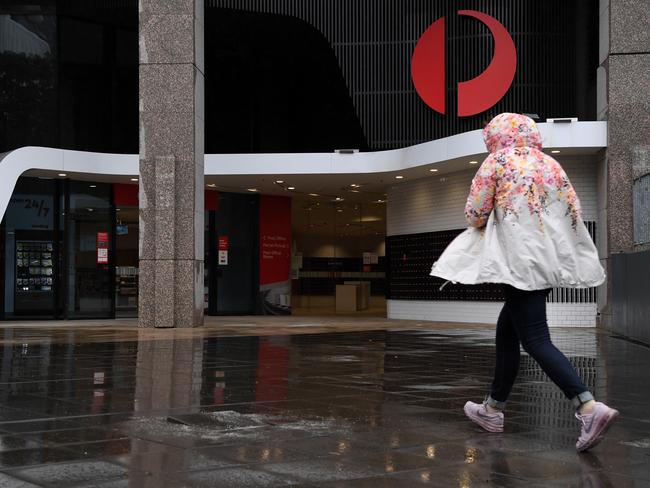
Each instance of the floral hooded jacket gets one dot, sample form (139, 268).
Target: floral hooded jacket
(525, 221)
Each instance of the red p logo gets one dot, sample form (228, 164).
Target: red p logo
(475, 95)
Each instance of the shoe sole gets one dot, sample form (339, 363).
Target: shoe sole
(601, 429)
(482, 423)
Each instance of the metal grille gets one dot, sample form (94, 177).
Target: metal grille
(641, 205)
(575, 295)
(373, 41)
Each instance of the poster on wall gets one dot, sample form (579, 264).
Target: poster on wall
(275, 254)
(223, 250)
(102, 248)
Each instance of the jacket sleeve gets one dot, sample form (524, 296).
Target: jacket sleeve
(480, 201)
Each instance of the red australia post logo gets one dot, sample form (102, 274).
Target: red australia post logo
(476, 95)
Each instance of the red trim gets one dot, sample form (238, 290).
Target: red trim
(126, 195)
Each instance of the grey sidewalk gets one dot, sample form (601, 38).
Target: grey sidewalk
(347, 409)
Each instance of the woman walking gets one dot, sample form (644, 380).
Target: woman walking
(526, 232)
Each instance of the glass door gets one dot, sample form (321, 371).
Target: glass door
(89, 251)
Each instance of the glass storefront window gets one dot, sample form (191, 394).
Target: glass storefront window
(126, 261)
(29, 250)
(89, 250)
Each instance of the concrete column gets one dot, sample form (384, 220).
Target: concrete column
(624, 100)
(171, 163)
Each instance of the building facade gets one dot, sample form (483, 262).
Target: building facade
(287, 85)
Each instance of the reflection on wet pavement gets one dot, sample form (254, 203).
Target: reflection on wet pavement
(355, 409)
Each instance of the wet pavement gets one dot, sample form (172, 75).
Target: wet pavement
(348, 409)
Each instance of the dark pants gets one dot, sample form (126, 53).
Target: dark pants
(523, 320)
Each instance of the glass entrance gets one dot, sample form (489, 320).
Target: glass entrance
(89, 252)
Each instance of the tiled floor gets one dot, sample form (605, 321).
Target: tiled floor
(113, 407)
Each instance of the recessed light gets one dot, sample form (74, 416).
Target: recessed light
(399, 177)
(354, 185)
(473, 162)
(63, 174)
(279, 181)
(90, 209)
(434, 170)
(339, 210)
(313, 194)
(251, 189)
(291, 187)
(93, 186)
(555, 151)
(134, 179)
(338, 199)
(211, 185)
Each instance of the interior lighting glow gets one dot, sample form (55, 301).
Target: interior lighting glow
(473, 162)
(399, 177)
(555, 151)
(434, 170)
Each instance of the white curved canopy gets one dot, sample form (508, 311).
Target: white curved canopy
(448, 154)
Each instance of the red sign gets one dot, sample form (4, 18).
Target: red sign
(223, 243)
(476, 95)
(102, 248)
(275, 239)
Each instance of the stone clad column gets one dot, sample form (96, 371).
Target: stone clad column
(624, 101)
(171, 163)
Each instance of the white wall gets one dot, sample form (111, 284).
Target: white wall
(437, 203)
(558, 314)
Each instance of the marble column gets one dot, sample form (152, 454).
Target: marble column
(624, 101)
(171, 163)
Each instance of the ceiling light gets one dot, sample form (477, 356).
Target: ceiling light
(93, 186)
(62, 174)
(555, 151)
(134, 179)
(473, 162)
(354, 185)
(339, 210)
(399, 177)
(291, 187)
(313, 194)
(211, 185)
(433, 170)
(338, 199)
(279, 181)
(251, 189)
(90, 209)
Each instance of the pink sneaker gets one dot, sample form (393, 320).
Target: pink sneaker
(594, 425)
(477, 413)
